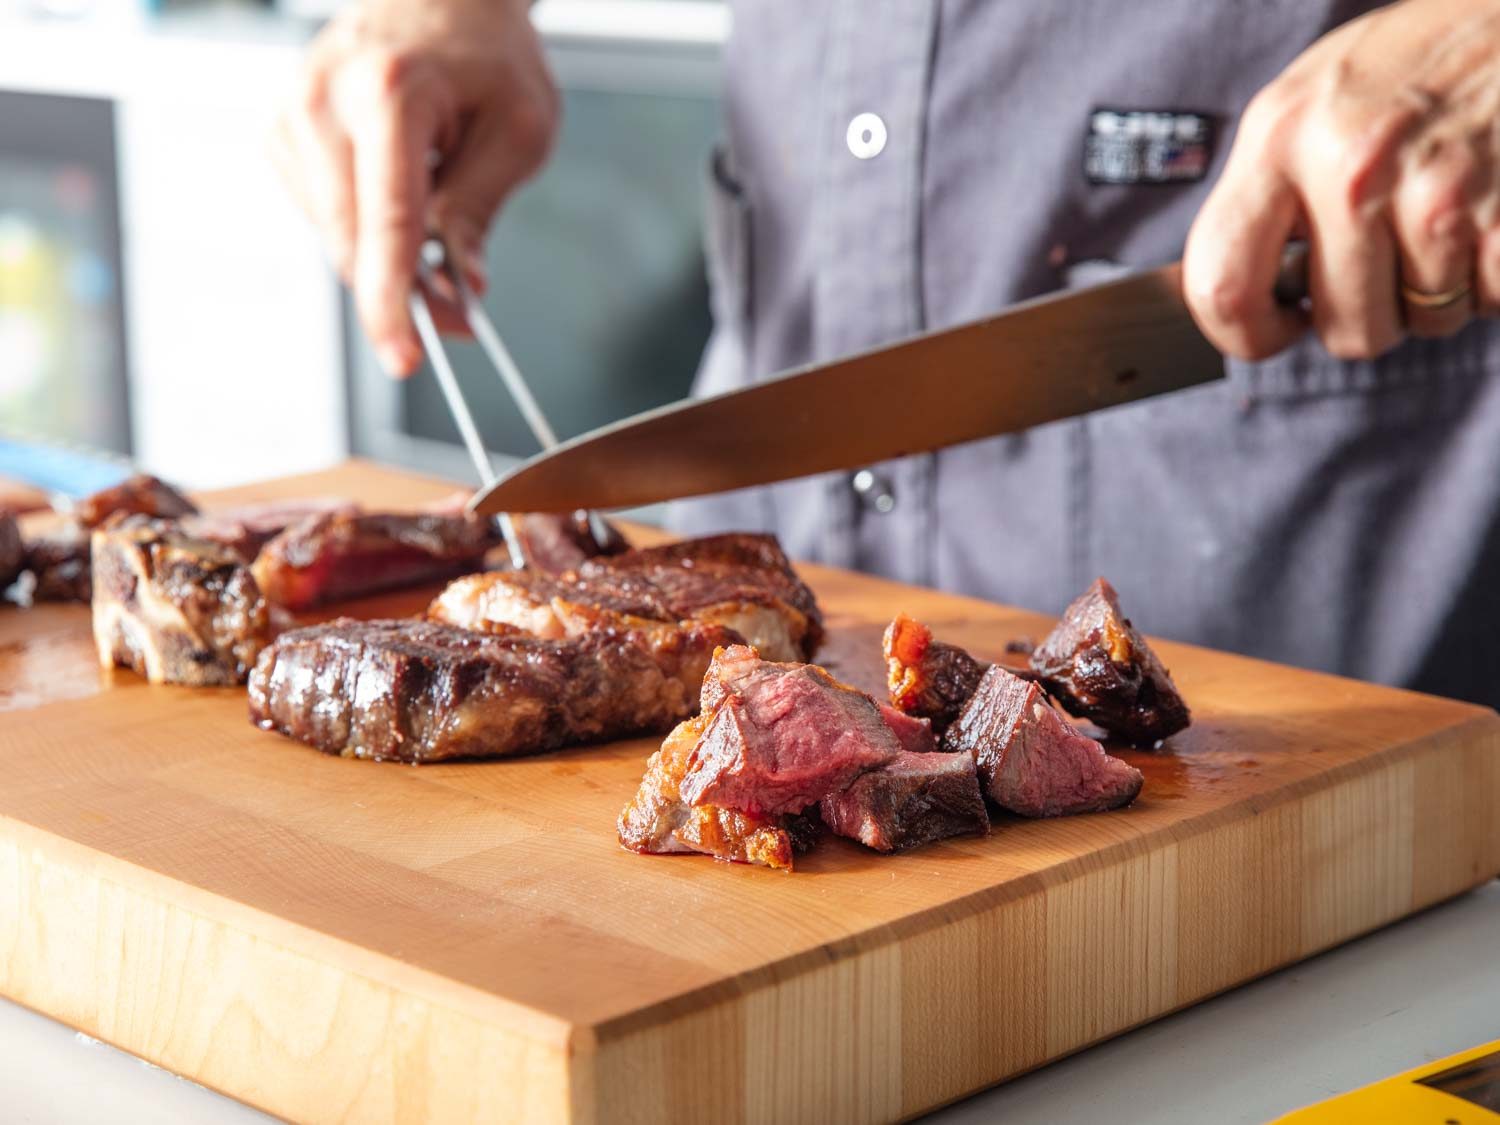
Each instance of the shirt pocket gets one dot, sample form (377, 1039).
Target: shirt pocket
(727, 248)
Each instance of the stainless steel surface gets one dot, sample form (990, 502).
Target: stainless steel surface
(1050, 358)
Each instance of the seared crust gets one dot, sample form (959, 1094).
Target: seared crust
(1100, 667)
(659, 821)
(741, 582)
(142, 495)
(172, 608)
(419, 691)
(928, 678)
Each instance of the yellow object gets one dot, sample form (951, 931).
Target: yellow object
(1463, 1089)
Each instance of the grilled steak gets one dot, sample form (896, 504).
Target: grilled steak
(1100, 667)
(779, 737)
(142, 495)
(915, 735)
(12, 553)
(927, 677)
(419, 691)
(912, 799)
(1031, 760)
(57, 561)
(339, 555)
(556, 543)
(658, 820)
(247, 528)
(742, 582)
(172, 608)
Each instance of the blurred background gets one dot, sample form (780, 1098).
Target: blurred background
(163, 303)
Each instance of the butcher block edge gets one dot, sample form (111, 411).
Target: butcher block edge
(884, 1025)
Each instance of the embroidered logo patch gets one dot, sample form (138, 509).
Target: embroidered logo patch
(1147, 146)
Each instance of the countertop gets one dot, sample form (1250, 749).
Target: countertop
(1419, 990)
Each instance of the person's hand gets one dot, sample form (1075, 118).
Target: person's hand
(1379, 145)
(414, 115)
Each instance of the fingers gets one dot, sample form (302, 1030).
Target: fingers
(1435, 229)
(1231, 262)
(313, 155)
(394, 114)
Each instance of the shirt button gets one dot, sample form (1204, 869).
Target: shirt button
(874, 491)
(866, 135)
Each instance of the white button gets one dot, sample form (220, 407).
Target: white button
(874, 491)
(866, 135)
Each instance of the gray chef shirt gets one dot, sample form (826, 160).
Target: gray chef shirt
(895, 166)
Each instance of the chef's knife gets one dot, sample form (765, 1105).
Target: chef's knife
(1054, 357)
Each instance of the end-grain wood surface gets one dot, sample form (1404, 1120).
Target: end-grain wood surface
(337, 940)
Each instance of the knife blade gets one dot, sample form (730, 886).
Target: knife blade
(1050, 358)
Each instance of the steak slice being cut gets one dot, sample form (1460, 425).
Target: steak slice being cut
(334, 556)
(174, 609)
(659, 821)
(742, 582)
(142, 495)
(556, 543)
(779, 737)
(1100, 668)
(1031, 760)
(926, 677)
(420, 691)
(12, 553)
(913, 799)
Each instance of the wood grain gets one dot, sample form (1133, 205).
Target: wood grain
(335, 940)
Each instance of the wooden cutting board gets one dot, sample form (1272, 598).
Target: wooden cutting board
(336, 940)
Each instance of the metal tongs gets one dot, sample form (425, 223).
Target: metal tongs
(433, 261)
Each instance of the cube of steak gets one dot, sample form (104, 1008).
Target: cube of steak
(928, 678)
(779, 737)
(419, 691)
(1100, 667)
(174, 609)
(334, 556)
(659, 821)
(1031, 760)
(142, 495)
(12, 553)
(912, 799)
(915, 735)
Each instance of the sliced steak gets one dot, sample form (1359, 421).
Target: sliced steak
(334, 556)
(659, 821)
(142, 495)
(1031, 760)
(556, 543)
(912, 799)
(419, 691)
(174, 609)
(12, 553)
(57, 561)
(246, 528)
(779, 737)
(915, 735)
(928, 678)
(742, 582)
(1100, 668)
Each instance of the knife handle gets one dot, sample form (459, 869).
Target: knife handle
(1291, 278)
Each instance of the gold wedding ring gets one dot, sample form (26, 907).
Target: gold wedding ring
(1443, 300)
